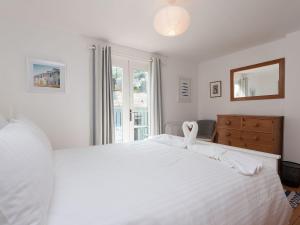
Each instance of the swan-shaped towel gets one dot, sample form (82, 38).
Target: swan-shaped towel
(190, 131)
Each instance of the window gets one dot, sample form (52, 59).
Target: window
(117, 74)
(131, 100)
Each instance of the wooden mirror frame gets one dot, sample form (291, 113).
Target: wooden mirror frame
(281, 90)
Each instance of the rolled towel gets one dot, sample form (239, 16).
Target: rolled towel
(190, 131)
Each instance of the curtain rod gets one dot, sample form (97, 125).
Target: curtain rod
(93, 47)
(131, 57)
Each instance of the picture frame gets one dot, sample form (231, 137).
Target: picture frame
(215, 89)
(184, 90)
(45, 76)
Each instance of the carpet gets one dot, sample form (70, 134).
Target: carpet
(293, 198)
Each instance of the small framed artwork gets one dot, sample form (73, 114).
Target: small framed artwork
(216, 89)
(184, 90)
(46, 76)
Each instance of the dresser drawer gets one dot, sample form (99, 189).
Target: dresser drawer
(229, 122)
(224, 133)
(260, 133)
(231, 142)
(258, 125)
(257, 138)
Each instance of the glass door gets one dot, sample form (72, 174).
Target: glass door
(131, 100)
(120, 99)
(139, 109)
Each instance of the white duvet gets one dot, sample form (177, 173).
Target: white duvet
(150, 183)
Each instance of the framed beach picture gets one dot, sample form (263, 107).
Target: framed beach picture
(46, 76)
(215, 89)
(184, 90)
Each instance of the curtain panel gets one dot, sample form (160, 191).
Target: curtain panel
(156, 122)
(102, 103)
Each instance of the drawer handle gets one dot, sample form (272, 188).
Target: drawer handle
(256, 138)
(228, 122)
(228, 134)
(257, 125)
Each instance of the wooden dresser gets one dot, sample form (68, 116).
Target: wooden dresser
(261, 133)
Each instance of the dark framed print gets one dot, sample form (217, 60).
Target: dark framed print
(216, 89)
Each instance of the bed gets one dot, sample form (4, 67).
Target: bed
(150, 182)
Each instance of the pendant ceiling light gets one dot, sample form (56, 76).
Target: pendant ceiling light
(172, 21)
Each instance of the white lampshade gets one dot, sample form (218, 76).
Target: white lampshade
(171, 21)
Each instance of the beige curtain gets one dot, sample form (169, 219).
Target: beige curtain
(103, 112)
(156, 125)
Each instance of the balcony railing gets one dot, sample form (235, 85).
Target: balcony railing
(141, 124)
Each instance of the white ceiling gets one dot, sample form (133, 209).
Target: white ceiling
(218, 27)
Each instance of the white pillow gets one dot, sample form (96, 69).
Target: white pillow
(3, 121)
(26, 176)
(37, 130)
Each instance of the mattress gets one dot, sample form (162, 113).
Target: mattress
(150, 183)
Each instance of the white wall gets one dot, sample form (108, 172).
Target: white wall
(174, 111)
(219, 69)
(66, 117)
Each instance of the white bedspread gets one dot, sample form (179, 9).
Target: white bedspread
(150, 183)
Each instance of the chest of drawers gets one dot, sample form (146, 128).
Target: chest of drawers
(261, 133)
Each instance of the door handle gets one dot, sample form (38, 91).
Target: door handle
(130, 115)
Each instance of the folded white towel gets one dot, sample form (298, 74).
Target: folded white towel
(245, 165)
(190, 131)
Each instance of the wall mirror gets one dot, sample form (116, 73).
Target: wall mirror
(260, 81)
